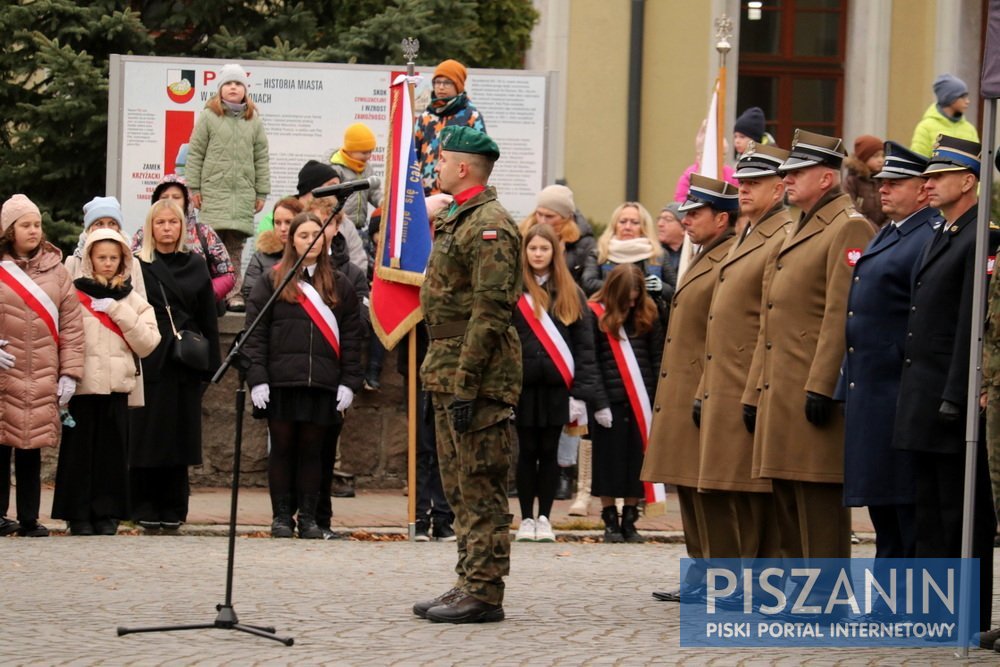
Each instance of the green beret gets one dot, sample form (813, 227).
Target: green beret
(464, 139)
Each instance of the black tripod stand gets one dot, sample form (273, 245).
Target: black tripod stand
(226, 618)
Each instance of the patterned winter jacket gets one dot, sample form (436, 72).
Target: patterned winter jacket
(427, 132)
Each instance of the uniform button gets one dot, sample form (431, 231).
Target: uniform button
(722, 279)
(919, 283)
(657, 408)
(706, 395)
(850, 350)
(850, 313)
(709, 317)
(909, 334)
(767, 385)
(668, 339)
(663, 374)
(779, 267)
(851, 386)
(709, 357)
(770, 305)
(857, 279)
(913, 309)
(768, 345)
(907, 362)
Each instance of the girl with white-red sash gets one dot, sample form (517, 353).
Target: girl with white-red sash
(41, 356)
(560, 373)
(629, 343)
(120, 328)
(305, 369)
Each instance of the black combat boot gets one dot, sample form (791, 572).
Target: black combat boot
(564, 491)
(612, 531)
(308, 529)
(630, 514)
(281, 509)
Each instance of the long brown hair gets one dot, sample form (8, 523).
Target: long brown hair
(215, 104)
(322, 280)
(616, 293)
(567, 305)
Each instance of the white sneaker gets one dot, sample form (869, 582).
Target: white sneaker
(543, 530)
(526, 531)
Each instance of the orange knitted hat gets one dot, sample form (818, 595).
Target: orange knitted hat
(454, 71)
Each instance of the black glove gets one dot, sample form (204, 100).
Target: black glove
(696, 412)
(819, 408)
(949, 412)
(750, 417)
(461, 415)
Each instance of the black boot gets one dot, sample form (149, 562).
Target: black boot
(565, 489)
(308, 529)
(281, 509)
(630, 514)
(612, 532)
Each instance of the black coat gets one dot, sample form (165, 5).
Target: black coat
(167, 430)
(648, 350)
(936, 356)
(879, 300)
(544, 397)
(287, 349)
(577, 252)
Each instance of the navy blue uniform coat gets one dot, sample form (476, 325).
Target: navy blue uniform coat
(874, 473)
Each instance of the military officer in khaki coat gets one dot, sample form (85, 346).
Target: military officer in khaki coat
(748, 531)
(672, 456)
(799, 437)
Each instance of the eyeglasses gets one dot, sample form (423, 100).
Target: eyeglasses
(442, 82)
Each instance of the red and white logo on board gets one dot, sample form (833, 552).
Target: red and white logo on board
(853, 255)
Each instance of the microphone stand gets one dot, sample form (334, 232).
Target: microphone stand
(226, 618)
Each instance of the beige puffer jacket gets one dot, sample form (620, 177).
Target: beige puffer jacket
(29, 412)
(109, 363)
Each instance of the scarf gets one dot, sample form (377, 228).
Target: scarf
(629, 251)
(96, 290)
(235, 109)
(340, 157)
(447, 106)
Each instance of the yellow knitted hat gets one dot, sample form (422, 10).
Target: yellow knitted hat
(358, 137)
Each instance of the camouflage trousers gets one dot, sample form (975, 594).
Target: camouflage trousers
(474, 469)
(993, 442)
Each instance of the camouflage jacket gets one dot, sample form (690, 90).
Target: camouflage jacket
(474, 277)
(991, 338)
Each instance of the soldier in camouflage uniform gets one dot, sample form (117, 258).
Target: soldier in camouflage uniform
(473, 369)
(991, 387)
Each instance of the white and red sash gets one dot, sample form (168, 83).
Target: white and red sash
(33, 296)
(635, 389)
(548, 335)
(105, 319)
(320, 314)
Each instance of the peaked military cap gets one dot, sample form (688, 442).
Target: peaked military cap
(901, 162)
(465, 139)
(810, 149)
(954, 154)
(760, 160)
(705, 191)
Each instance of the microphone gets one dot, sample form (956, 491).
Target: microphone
(347, 188)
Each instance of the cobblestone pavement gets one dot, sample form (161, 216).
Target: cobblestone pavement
(348, 603)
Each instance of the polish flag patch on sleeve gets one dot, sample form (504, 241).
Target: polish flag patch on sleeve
(853, 255)
(489, 235)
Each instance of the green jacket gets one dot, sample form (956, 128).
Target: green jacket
(474, 277)
(934, 123)
(228, 165)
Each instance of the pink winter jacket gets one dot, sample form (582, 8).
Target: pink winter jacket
(29, 413)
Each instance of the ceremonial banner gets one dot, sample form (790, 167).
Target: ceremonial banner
(708, 165)
(404, 242)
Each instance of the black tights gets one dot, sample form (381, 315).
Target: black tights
(294, 461)
(537, 468)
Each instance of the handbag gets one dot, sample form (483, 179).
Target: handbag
(189, 348)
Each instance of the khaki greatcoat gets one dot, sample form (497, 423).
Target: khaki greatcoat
(730, 340)
(672, 453)
(801, 345)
